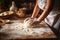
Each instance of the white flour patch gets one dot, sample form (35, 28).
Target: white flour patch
(16, 30)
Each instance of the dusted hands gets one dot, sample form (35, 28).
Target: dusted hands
(30, 22)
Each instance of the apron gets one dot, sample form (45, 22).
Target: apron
(54, 15)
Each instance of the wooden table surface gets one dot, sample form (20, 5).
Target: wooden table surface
(13, 31)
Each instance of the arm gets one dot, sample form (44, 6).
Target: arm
(36, 11)
(46, 11)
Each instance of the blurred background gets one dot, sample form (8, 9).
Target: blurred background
(29, 4)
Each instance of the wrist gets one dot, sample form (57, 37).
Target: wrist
(32, 16)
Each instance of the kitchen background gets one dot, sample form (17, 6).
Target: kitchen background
(29, 4)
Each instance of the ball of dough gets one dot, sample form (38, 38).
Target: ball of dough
(28, 23)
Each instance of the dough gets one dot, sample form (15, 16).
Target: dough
(28, 22)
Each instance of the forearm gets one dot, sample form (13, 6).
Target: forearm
(46, 11)
(43, 15)
(36, 11)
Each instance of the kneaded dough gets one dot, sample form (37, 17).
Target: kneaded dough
(28, 24)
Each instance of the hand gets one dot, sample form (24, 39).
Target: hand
(28, 22)
(31, 22)
(35, 23)
(27, 19)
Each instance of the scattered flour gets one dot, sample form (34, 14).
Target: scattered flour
(17, 30)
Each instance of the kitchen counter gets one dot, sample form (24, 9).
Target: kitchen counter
(14, 31)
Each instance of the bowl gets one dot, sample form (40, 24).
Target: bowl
(6, 14)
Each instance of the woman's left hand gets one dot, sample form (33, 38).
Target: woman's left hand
(31, 22)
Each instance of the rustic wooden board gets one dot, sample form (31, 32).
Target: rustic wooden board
(14, 31)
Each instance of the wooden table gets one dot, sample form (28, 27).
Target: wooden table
(9, 31)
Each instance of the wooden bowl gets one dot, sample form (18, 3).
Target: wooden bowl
(6, 14)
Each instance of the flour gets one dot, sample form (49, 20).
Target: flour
(17, 30)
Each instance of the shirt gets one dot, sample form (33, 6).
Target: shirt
(54, 12)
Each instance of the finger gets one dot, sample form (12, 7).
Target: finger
(26, 19)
